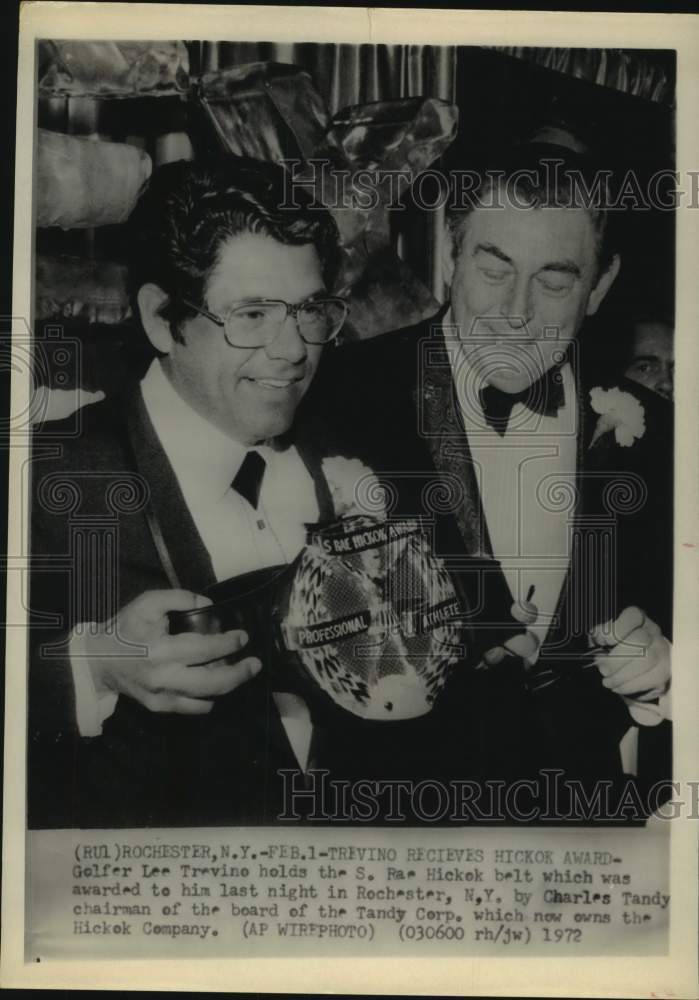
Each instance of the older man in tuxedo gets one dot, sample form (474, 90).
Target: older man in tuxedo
(566, 486)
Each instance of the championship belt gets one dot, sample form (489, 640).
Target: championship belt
(366, 619)
(370, 617)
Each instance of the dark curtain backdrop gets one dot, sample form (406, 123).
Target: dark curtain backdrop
(347, 74)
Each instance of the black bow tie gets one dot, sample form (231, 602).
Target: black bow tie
(248, 479)
(545, 396)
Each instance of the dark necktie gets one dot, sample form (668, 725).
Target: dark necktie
(248, 479)
(545, 396)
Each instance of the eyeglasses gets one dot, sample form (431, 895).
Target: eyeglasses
(256, 323)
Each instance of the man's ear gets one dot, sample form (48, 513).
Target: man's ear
(448, 257)
(151, 298)
(604, 283)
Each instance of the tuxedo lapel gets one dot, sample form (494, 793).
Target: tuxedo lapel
(168, 511)
(440, 421)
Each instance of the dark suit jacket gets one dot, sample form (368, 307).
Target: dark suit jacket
(89, 526)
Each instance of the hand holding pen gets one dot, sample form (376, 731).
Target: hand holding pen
(526, 644)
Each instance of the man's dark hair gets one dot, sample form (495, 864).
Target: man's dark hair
(641, 317)
(541, 174)
(190, 209)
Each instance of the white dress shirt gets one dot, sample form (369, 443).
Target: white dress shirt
(237, 537)
(517, 474)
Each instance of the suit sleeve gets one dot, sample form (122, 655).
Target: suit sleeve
(52, 745)
(51, 692)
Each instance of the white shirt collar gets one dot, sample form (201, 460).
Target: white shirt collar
(204, 459)
(472, 413)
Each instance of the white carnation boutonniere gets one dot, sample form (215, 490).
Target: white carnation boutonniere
(354, 488)
(619, 412)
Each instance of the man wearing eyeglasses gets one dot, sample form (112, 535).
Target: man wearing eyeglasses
(232, 295)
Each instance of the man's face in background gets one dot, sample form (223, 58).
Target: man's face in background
(249, 393)
(523, 281)
(651, 361)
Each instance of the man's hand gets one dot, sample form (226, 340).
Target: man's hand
(524, 646)
(163, 678)
(633, 657)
